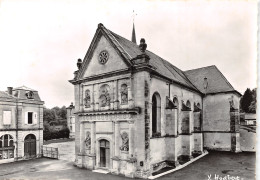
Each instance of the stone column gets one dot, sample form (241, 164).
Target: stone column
(191, 121)
(130, 95)
(131, 138)
(92, 98)
(96, 97)
(82, 138)
(117, 136)
(93, 137)
(81, 98)
(175, 124)
(116, 95)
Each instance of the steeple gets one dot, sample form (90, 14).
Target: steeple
(133, 34)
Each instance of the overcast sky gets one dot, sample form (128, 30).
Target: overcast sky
(40, 41)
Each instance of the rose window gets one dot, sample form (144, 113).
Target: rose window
(103, 57)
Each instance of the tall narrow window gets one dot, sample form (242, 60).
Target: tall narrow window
(30, 117)
(156, 114)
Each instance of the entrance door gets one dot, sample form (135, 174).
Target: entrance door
(30, 146)
(104, 153)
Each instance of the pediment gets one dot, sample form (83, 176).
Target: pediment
(102, 58)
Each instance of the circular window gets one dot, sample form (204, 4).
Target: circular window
(103, 57)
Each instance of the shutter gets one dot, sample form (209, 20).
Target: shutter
(26, 118)
(35, 118)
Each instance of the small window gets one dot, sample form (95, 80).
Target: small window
(30, 117)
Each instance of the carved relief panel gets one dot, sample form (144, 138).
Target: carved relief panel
(104, 95)
(87, 101)
(125, 142)
(124, 94)
(88, 140)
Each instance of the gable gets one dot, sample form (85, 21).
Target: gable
(216, 81)
(114, 62)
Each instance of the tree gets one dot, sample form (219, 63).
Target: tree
(252, 107)
(246, 100)
(48, 115)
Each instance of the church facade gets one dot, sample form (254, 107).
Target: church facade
(21, 124)
(135, 113)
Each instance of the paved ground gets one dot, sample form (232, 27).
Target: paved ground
(219, 163)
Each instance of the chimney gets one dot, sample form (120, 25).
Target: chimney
(10, 90)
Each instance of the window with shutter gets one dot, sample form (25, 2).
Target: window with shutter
(34, 118)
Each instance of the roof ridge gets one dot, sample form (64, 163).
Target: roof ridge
(201, 68)
(225, 78)
(109, 32)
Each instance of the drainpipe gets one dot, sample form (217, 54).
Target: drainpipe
(205, 86)
(17, 118)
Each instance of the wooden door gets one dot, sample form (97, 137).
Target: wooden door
(30, 146)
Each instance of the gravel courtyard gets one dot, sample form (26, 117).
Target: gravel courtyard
(66, 150)
(240, 165)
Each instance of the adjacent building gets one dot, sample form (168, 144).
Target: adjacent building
(136, 113)
(21, 124)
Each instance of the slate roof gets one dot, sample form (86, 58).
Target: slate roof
(193, 79)
(216, 81)
(19, 93)
(24, 88)
(6, 95)
(162, 66)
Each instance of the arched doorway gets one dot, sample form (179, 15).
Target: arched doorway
(30, 146)
(156, 114)
(104, 153)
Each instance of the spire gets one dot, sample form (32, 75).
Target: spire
(133, 34)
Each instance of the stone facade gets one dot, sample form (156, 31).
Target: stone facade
(135, 113)
(21, 124)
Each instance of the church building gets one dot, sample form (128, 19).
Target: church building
(21, 124)
(136, 113)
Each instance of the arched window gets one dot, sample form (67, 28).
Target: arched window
(156, 114)
(124, 94)
(104, 96)
(176, 103)
(6, 147)
(87, 99)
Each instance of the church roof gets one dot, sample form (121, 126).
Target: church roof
(216, 81)
(192, 79)
(162, 66)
